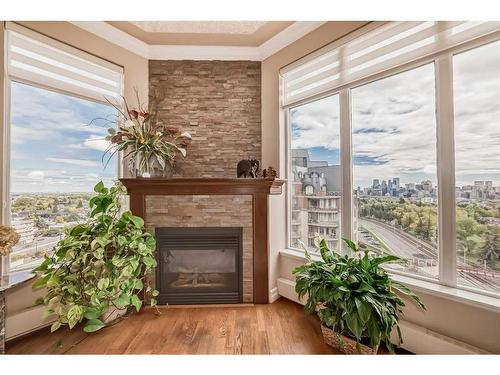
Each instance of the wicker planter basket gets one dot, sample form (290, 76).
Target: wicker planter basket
(343, 343)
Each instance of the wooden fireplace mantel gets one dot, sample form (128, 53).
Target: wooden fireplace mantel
(258, 188)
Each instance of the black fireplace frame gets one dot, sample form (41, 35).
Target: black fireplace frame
(187, 297)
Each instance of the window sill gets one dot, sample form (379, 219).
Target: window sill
(443, 291)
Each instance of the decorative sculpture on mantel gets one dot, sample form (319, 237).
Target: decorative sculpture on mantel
(248, 168)
(270, 173)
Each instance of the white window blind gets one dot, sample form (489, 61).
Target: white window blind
(32, 57)
(387, 46)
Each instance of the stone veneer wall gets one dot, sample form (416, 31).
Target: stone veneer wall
(219, 103)
(207, 211)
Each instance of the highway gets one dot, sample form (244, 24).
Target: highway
(409, 247)
(399, 243)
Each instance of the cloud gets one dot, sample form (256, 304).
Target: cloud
(78, 162)
(92, 143)
(394, 123)
(36, 175)
(316, 124)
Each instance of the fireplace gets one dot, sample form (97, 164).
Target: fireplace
(199, 265)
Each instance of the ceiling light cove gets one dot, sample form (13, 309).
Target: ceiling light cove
(200, 27)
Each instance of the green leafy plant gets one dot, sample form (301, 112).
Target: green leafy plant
(99, 266)
(353, 295)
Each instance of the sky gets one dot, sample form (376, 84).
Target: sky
(394, 124)
(54, 149)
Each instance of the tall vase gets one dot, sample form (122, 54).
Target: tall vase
(141, 166)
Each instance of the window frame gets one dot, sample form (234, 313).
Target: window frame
(5, 142)
(445, 152)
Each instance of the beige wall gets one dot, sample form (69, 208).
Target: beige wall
(273, 136)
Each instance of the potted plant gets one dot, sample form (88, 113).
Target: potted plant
(355, 298)
(100, 267)
(151, 147)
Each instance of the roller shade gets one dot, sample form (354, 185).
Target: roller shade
(387, 46)
(41, 60)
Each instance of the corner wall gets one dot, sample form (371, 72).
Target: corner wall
(273, 132)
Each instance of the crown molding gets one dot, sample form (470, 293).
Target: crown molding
(112, 34)
(291, 34)
(183, 52)
(187, 52)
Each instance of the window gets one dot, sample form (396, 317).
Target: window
(315, 173)
(391, 120)
(394, 168)
(55, 161)
(54, 148)
(477, 166)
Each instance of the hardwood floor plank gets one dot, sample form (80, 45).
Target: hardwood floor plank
(278, 328)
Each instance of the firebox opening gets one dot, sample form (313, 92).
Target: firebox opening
(199, 265)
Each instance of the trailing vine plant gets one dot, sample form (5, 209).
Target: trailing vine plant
(99, 266)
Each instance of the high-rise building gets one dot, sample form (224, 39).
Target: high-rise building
(384, 187)
(395, 183)
(427, 185)
(315, 201)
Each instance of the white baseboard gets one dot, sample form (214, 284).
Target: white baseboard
(286, 288)
(417, 339)
(27, 321)
(273, 295)
(421, 340)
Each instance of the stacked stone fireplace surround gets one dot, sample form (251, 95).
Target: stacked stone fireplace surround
(219, 103)
(207, 211)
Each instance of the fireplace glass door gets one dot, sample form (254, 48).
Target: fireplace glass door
(199, 265)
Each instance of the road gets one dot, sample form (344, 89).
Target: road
(402, 246)
(407, 246)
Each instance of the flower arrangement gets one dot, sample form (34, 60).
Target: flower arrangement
(8, 239)
(152, 147)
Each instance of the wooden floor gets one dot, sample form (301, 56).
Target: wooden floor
(278, 328)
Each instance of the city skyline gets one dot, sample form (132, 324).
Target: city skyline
(394, 125)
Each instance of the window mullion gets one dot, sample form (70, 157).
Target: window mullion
(346, 165)
(446, 170)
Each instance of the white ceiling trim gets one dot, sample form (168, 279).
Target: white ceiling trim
(115, 36)
(187, 52)
(291, 34)
(171, 52)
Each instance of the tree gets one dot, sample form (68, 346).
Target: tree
(467, 230)
(490, 250)
(408, 219)
(80, 204)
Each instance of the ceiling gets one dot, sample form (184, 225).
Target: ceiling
(201, 40)
(203, 33)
